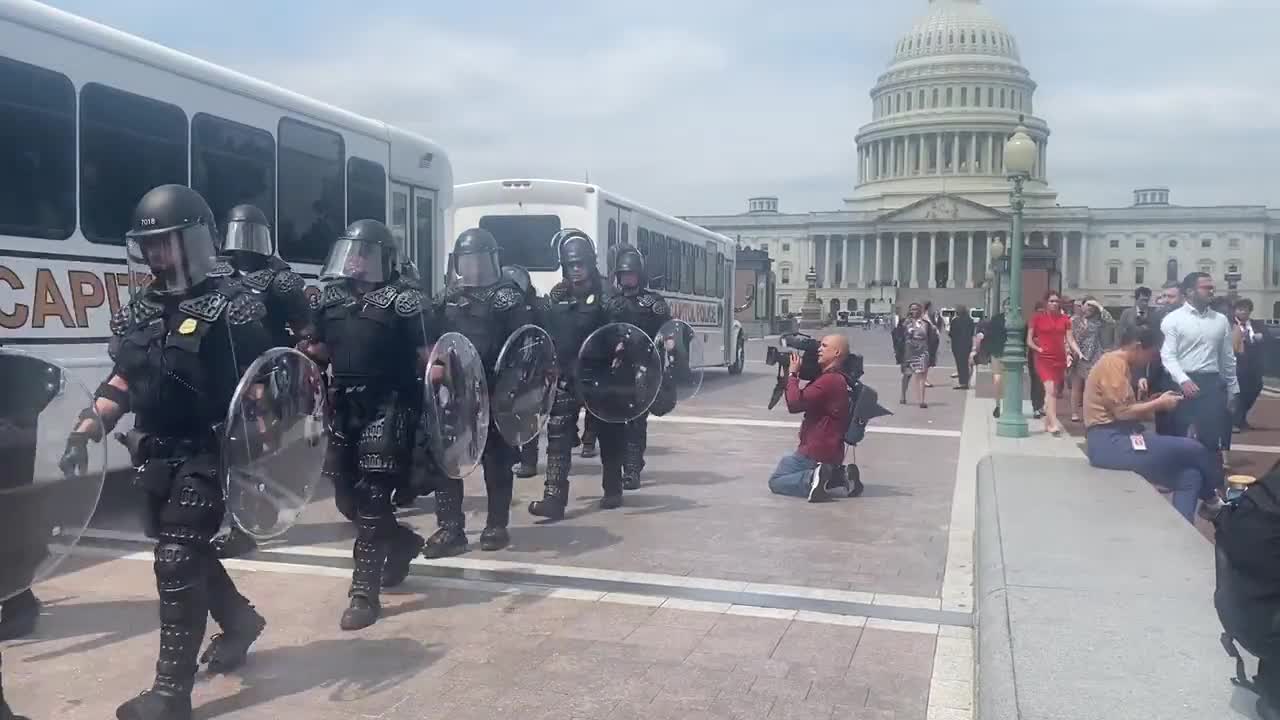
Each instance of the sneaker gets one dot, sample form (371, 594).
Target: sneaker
(837, 484)
(817, 483)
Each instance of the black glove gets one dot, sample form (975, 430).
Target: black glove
(75, 459)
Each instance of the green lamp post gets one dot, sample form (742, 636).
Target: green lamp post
(1019, 159)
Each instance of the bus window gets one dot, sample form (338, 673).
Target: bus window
(232, 164)
(687, 269)
(366, 190)
(673, 265)
(655, 262)
(708, 280)
(642, 241)
(128, 145)
(719, 275)
(700, 271)
(525, 239)
(613, 231)
(38, 142)
(312, 183)
(626, 234)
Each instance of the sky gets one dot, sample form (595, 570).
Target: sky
(692, 106)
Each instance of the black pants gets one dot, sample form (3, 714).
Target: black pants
(562, 437)
(961, 355)
(190, 579)
(1250, 389)
(1037, 385)
(499, 481)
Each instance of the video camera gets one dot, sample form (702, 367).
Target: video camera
(807, 347)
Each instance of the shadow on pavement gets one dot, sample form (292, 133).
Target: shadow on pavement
(637, 502)
(351, 668)
(880, 491)
(106, 623)
(685, 477)
(561, 540)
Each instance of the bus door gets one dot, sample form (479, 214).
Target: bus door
(617, 231)
(413, 225)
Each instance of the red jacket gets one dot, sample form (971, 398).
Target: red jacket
(825, 404)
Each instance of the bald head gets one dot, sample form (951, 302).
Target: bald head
(833, 351)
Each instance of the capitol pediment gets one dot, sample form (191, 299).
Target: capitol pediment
(944, 208)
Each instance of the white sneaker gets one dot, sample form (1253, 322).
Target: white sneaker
(817, 493)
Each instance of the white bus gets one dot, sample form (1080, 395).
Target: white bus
(692, 267)
(91, 118)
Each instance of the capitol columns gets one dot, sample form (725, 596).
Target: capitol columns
(1084, 259)
(896, 274)
(931, 277)
(915, 260)
(862, 261)
(970, 250)
(951, 260)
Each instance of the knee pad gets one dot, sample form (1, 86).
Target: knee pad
(383, 444)
(178, 566)
(562, 432)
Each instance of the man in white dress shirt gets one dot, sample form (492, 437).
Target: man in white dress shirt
(1199, 356)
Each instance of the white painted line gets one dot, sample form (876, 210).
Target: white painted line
(951, 682)
(902, 626)
(749, 422)
(1246, 447)
(285, 568)
(761, 612)
(659, 580)
(958, 576)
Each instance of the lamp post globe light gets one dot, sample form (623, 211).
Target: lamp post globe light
(1019, 159)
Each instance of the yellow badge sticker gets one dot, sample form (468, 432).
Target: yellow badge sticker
(591, 299)
(187, 327)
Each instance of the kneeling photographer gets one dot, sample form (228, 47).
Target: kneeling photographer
(825, 404)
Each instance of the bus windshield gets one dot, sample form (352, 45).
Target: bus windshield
(525, 239)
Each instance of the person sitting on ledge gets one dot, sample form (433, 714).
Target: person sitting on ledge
(1117, 440)
(825, 404)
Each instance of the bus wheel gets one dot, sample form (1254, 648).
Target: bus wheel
(739, 358)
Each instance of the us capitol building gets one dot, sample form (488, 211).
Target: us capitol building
(932, 195)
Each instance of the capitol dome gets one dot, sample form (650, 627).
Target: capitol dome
(954, 91)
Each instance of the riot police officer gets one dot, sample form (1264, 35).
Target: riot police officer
(576, 308)
(180, 347)
(486, 307)
(370, 329)
(249, 253)
(536, 307)
(632, 302)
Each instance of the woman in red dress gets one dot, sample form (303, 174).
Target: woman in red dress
(1049, 336)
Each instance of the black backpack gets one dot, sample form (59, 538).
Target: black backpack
(1247, 555)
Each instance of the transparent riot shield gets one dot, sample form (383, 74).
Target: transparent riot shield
(44, 507)
(273, 442)
(524, 387)
(683, 358)
(457, 405)
(618, 373)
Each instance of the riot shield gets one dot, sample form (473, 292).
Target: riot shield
(44, 508)
(524, 388)
(683, 358)
(272, 447)
(457, 405)
(618, 373)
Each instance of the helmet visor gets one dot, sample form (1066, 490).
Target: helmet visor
(355, 260)
(175, 261)
(248, 237)
(476, 269)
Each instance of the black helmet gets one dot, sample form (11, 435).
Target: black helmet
(365, 251)
(575, 246)
(172, 239)
(247, 230)
(629, 259)
(520, 277)
(474, 262)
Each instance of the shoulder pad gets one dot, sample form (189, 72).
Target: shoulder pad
(286, 282)
(208, 307)
(507, 297)
(382, 297)
(246, 308)
(139, 311)
(278, 264)
(659, 306)
(559, 292)
(646, 299)
(409, 303)
(259, 279)
(334, 294)
(222, 268)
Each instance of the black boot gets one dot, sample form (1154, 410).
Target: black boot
(633, 464)
(228, 649)
(406, 546)
(18, 616)
(555, 489)
(494, 538)
(241, 624)
(370, 555)
(234, 544)
(527, 470)
(528, 466)
(181, 578)
(612, 485)
(588, 447)
(451, 538)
